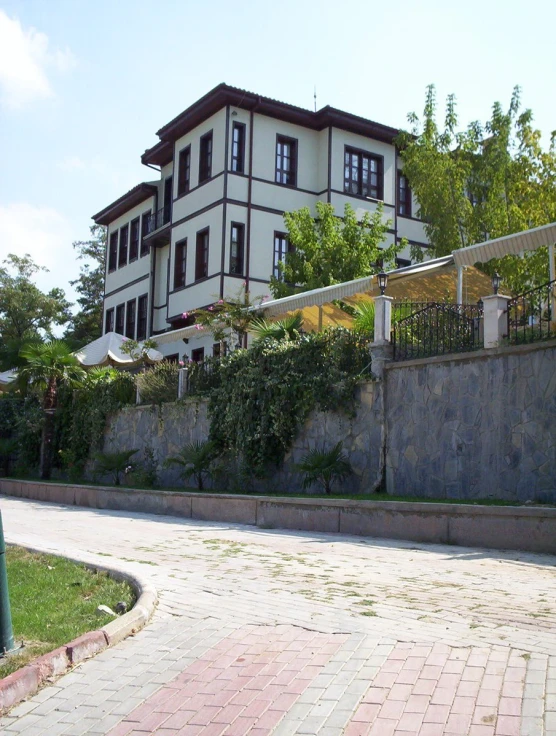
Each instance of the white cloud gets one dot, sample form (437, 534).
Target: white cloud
(25, 57)
(46, 235)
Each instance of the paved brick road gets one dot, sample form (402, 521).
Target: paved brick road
(270, 632)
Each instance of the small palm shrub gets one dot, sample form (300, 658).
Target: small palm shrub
(159, 384)
(324, 467)
(114, 462)
(288, 328)
(195, 459)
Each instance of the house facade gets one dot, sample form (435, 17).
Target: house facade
(211, 218)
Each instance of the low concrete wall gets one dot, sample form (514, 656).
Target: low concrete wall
(493, 527)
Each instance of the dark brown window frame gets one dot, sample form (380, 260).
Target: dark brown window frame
(201, 234)
(123, 246)
(144, 250)
(142, 319)
(184, 170)
(109, 318)
(198, 355)
(276, 252)
(361, 154)
(205, 166)
(134, 244)
(280, 172)
(120, 310)
(238, 148)
(131, 318)
(180, 263)
(113, 251)
(240, 256)
(403, 203)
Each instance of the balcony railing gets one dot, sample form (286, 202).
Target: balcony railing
(158, 219)
(422, 330)
(532, 316)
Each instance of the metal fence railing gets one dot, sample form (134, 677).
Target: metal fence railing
(425, 329)
(532, 316)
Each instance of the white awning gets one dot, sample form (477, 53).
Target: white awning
(318, 297)
(107, 351)
(509, 244)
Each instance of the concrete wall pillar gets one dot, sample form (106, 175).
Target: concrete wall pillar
(495, 319)
(383, 319)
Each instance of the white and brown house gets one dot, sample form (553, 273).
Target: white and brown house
(227, 168)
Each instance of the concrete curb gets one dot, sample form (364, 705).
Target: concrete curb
(25, 682)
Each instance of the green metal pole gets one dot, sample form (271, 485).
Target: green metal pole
(6, 631)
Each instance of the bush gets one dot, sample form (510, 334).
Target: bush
(324, 467)
(159, 384)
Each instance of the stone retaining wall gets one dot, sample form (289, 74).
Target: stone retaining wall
(476, 425)
(170, 427)
(493, 527)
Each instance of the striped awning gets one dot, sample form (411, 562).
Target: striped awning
(508, 245)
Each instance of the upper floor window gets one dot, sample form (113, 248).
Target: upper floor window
(109, 321)
(201, 254)
(120, 317)
(237, 248)
(282, 247)
(404, 196)
(113, 252)
(142, 303)
(238, 148)
(402, 262)
(184, 170)
(134, 240)
(179, 264)
(205, 158)
(145, 219)
(130, 319)
(286, 160)
(122, 256)
(362, 174)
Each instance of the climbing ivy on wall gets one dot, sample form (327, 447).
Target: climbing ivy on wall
(265, 394)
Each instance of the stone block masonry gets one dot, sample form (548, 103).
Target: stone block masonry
(479, 425)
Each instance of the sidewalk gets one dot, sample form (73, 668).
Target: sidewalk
(269, 632)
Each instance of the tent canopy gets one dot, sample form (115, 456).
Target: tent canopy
(107, 351)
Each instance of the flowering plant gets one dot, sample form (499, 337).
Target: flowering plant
(230, 317)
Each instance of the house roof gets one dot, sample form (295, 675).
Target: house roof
(224, 94)
(509, 244)
(120, 206)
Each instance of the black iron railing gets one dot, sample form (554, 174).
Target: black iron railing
(158, 219)
(425, 329)
(201, 377)
(532, 316)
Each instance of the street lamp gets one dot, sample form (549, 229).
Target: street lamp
(382, 282)
(496, 279)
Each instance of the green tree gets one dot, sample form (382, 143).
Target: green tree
(328, 249)
(481, 183)
(47, 366)
(195, 459)
(86, 325)
(324, 467)
(25, 311)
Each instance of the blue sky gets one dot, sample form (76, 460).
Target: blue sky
(85, 84)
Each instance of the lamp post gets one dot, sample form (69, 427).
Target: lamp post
(382, 282)
(6, 631)
(496, 280)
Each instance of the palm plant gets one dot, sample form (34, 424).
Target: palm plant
(288, 328)
(195, 459)
(114, 462)
(48, 365)
(364, 318)
(324, 467)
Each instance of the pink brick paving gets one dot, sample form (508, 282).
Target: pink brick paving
(243, 685)
(425, 690)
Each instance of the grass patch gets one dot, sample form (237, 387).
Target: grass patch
(54, 601)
